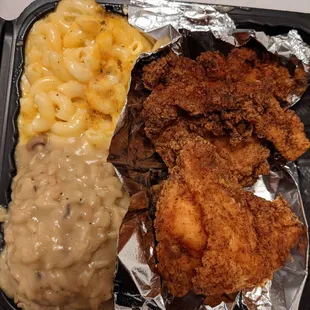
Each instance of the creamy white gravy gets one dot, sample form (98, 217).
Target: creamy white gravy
(62, 228)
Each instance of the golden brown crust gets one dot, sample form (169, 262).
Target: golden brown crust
(237, 96)
(246, 161)
(155, 72)
(206, 119)
(180, 236)
(214, 237)
(285, 129)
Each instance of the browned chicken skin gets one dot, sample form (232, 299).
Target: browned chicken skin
(208, 120)
(236, 96)
(214, 237)
(246, 160)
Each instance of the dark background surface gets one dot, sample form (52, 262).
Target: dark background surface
(12, 39)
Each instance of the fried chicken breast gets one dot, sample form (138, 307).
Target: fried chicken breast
(214, 237)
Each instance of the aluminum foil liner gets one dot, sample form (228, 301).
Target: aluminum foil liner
(138, 284)
(161, 19)
(150, 15)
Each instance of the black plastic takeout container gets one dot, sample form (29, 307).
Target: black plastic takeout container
(13, 35)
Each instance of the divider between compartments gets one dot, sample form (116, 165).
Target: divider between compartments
(263, 19)
(1, 37)
(6, 82)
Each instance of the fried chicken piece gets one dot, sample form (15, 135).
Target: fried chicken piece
(246, 161)
(239, 62)
(214, 237)
(261, 85)
(181, 236)
(242, 64)
(169, 144)
(178, 91)
(155, 72)
(176, 83)
(237, 96)
(171, 69)
(165, 104)
(214, 64)
(284, 129)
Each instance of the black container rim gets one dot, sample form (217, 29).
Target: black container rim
(11, 65)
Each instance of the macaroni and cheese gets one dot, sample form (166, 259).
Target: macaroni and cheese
(77, 69)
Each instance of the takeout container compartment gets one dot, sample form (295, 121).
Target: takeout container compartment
(13, 35)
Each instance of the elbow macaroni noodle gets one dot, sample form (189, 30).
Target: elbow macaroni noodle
(77, 69)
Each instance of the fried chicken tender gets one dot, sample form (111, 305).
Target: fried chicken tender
(163, 107)
(261, 85)
(285, 130)
(237, 96)
(214, 237)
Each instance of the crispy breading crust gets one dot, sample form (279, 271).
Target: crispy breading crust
(206, 119)
(237, 96)
(246, 161)
(214, 237)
